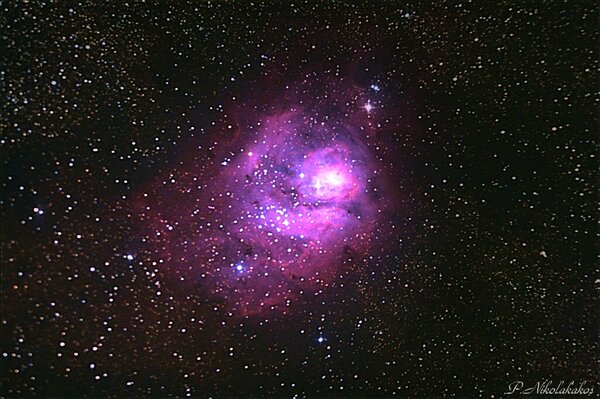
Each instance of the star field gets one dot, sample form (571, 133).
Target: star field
(297, 199)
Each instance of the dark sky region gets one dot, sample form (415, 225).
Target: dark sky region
(303, 199)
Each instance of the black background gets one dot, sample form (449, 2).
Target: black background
(490, 115)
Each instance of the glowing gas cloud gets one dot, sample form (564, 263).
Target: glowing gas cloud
(275, 214)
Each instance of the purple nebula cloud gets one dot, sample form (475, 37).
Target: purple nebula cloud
(273, 216)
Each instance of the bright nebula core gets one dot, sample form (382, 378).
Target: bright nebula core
(275, 215)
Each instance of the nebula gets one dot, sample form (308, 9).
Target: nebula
(273, 217)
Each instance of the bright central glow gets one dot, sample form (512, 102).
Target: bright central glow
(333, 178)
(328, 180)
(332, 182)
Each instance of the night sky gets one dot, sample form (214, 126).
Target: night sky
(298, 199)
